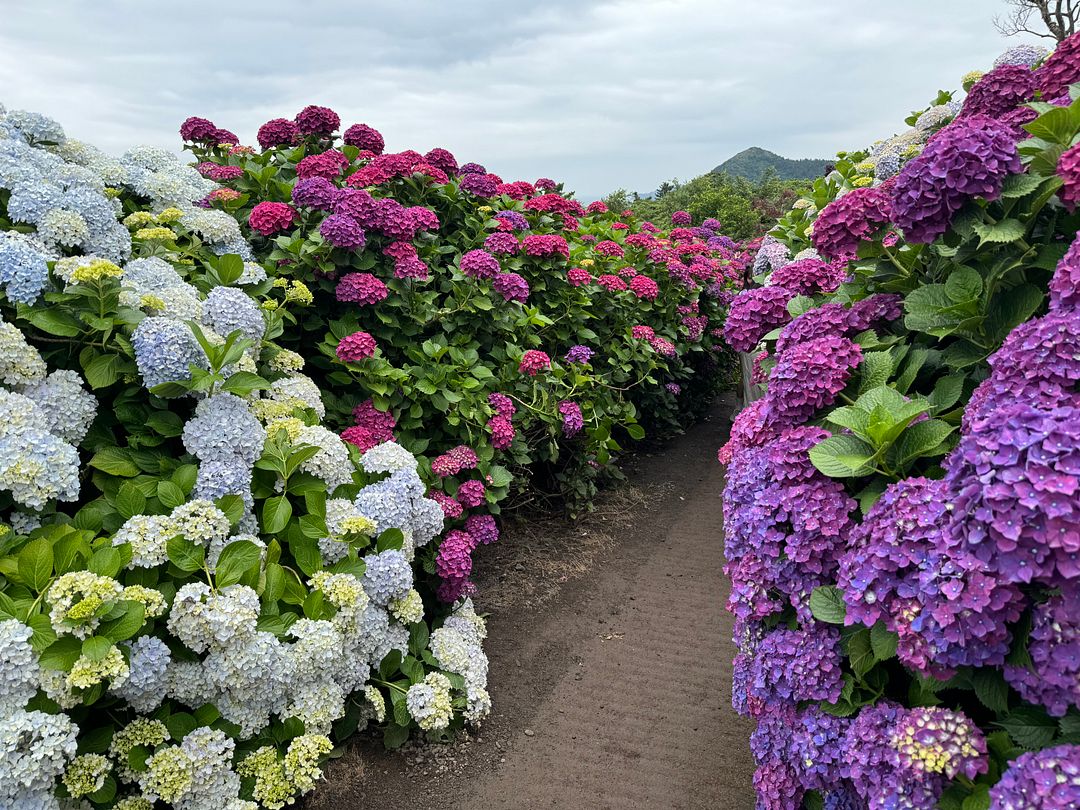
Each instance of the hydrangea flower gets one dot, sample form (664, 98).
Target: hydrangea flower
(533, 362)
(1040, 780)
(1000, 91)
(809, 276)
(268, 218)
(1053, 679)
(315, 120)
(480, 264)
(753, 314)
(571, 418)
(796, 665)
(1061, 69)
(356, 347)
(364, 137)
(808, 376)
(511, 287)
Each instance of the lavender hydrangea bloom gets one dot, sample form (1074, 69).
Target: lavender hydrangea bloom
(511, 287)
(315, 192)
(795, 665)
(1026, 55)
(227, 309)
(1016, 475)
(343, 231)
(897, 569)
(830, 319)
(224, 426)
(1053, 680)
(1040, 780)
(1065, 285)
(514, 219)
(579, 354)
(164, 351)
(772, 255)
(753, 314)
(808, 376)
(969, 158)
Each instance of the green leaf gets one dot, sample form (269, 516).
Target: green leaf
(1030, 727)
(979, 798)
(946, 393)
(54, 321)
(991, 689)
(390, 540)
(395, 736)
(637, 432)
(235, 560)
(921, 439)
(36, 564)
(827, 604)
(243, 383)
(874, 370)
(963, 284)
(276, 514)
(61, 654)
(232, 506)
(106, 562)
(96, 648)
(500, 476)
(115, 461)
(1020, 185)
(129, 500)
(883, 642)
(842, 456)
(126, 625)
(102, 371)
(170, 495)
(1008, 230)
(305, 551)
(180, 725)
(230, 267)
(1010, 308)
(184, 554)
(43, 632)
(860, 652)
(165, 423)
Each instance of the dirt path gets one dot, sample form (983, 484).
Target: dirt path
(610, 664)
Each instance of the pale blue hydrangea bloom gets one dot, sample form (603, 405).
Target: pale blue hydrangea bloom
(164, 351)
(212, 225)
(35, 127)
(36, 749)
(223, 426)
(386, 505)
(68, 408)
(253, 273)
(224, 476)
(227, 309)
(145, 687)
(387, 457)
(1023, 55)
(249, 680)
(20, 363)
(37, 467)
(388, 576)
(332, 463)
(427, 520)
(298, 391)
(24, 273)
(19, 671)
(147, 535)
(239, 246)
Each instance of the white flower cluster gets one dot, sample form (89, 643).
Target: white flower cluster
(398, 502)
(34, 751)
(457, 646)
(42, 418)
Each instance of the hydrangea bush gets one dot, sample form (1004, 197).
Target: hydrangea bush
(460, 314)
(203, 589)
(902, 507)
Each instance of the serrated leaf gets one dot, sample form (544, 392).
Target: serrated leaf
(1008, 230)
(36, 564)
(1030, 727)
(115, 461)
(827, 604)
(842, 457)
(1020, 185)
(126, 625)
(991, 689)
(235, 560)
(129, 500)
(875, 370)
(184, 554)
(883, 642)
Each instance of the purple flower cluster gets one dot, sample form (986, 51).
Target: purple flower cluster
(315, 192)
(315, 120)
(365, 138)
(898, 570)
(969, 158)
(753, 314)
(572, 420)
(360, 288)
(502, 244)
(511, 287)
(1053, 679)
(809, 276)
(1065, 285)
(1000, 91)
(1040, 780)
(579, 354)
(808, 376)
(850, 220)
(512, 220)
(795, 665)
(479, 264)
(278, 132)
(343, 231)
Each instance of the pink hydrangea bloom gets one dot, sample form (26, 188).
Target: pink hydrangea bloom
(360, 288)
(269, 218)
(356, 347)
(533, 362)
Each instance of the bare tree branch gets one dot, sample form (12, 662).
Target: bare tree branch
(1059, 16)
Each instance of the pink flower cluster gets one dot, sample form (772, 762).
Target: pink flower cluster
(360, 288)
(454, 461)
(372, 427)
(268, 218)
(356, 347)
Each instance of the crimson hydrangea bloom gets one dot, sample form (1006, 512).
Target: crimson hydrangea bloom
(342, 231)
(642, 332)
(1065, 285)
(364, 137)
(1015, 476)
(382, 422)
(1040, 780)
(471, 493)
(315, 192)
(329, 164)
(611, 283)
(1053, 680)
(1061, 69)
(442, 159)
(479, 264)
(1000, 91)
(808, 376)
(971, 157)
(533, 362)
(609, 248)
(511, 287)
(572, 421)
(315, 120)
(681, 218)
(355, 347)
(198, 130)
(502, 244)
(753, 314)
(1068, 170)
(360, 288)
(796, 665)
(502, 432)
(278, 132)
(897, 569)
(850, 220)
(482, 528)
(546, 245)
(809, 276)
(269, 218)
(644, 287)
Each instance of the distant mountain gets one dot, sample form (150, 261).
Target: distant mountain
(753, 162)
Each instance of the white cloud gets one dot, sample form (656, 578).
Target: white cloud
(600, 94)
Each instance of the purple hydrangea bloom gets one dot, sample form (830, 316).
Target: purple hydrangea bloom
(502, 244)
(472, 168)
(483, 528)
(969, 158)
(850, 220)
(772, 255)
(1000, 91)
(572, 421)
(753, 314)
(809, 276)
(479, 264)
(1040, 780)
(808, 376)
(933, 741)
(897, 569)
(1053, 680)
(830, 319)
(315, 192)
(818, 748)
(342, 231)
(514, 219)
(796, 665)
(579, 354)
(482, 185)
(875, 309)
(511, 287)
(1065, 285)
(1015, 476)
(776, 778)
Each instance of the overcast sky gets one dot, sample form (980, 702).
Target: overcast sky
(597, 93)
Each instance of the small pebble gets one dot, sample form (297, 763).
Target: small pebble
(529, 732)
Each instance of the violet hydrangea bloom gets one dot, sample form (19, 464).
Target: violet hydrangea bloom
(808, 376)
(1065, 285)
(1068, 169)
(936, 741)
(753, 314)
(850, 220)
(342, 231)
(1040, 780)
(511, 287)
(830, 319)
(1000, 91)
(796, 665)
(1053, 680)
(315, 192)
(897, 569)
(571, 418)
(479, 264)
(809, 276)
(502, 244)
(969, 158)
(483, 528)
(360, 288)
(579, 354)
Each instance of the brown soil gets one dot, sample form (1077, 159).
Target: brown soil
(610, 663)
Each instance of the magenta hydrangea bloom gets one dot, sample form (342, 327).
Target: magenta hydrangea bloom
(480, 264)
(644, 287)
(451, 508)
(442, 159)
(454, 461)
(611, 283)
(546, 245)
(572, 421)
(364, 137)
(315, 120)
(342, 231)
(502, 431)
(578, 276)
(849, 220)
(454, 560)
(482, 528)
(502, 404)
(1065, 285)
(681, 218)
(315, 192)
(329, 164)
(1040, 780)
(1068, 169)
(268, 218)
(609, 248)
(471, 493)
(360, 288)
(533, 362)
(897, 569)
(809, 276)
(808, 376)
(511, 287)
(1015, 476)
(356, 347)
(198, 130)
(796, 665)
(748, 429)
(482, 185)
(1000, 91)
(1061, 69)
(1053, 679)
(512, 221)
(502, 244)
(971, 157)
(753, 314)
(278, 132)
